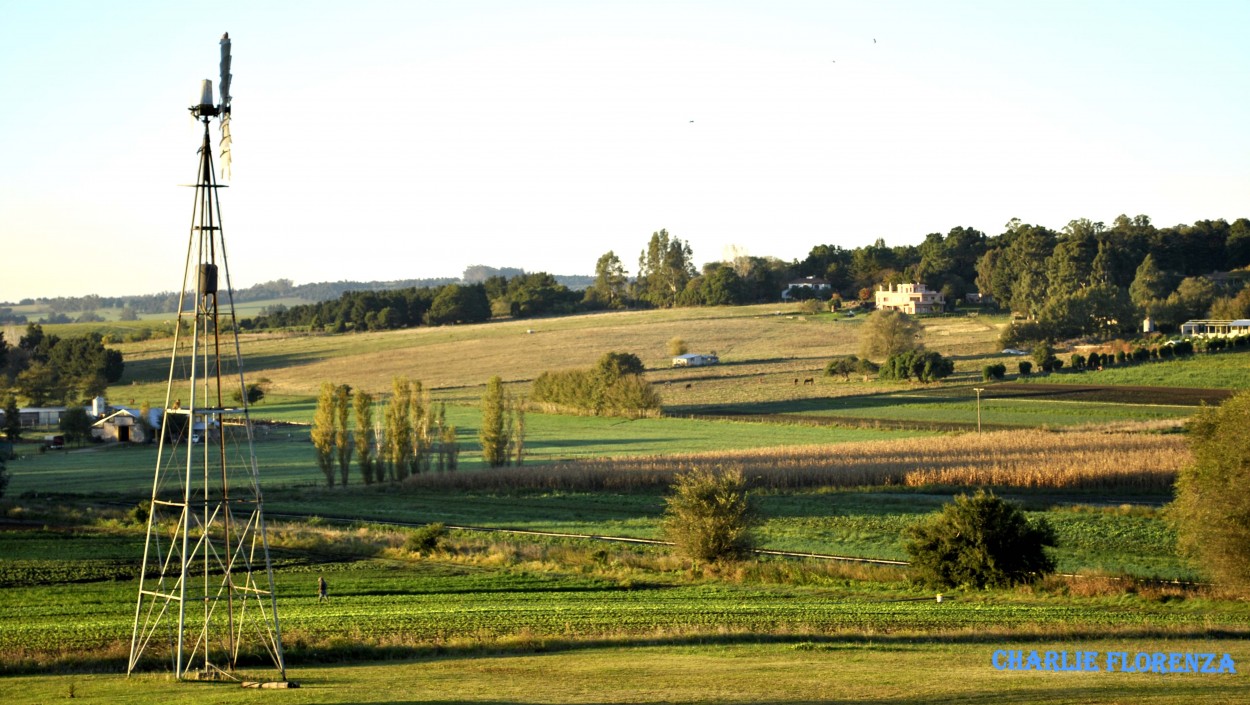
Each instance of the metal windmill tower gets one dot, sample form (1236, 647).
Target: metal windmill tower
(207, 591)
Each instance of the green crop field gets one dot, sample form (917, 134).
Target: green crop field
(454, 615)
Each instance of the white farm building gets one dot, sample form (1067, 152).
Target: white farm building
(695, 360)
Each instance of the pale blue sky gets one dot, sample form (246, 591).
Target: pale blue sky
(391, 140)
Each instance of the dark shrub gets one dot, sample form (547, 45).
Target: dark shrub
(979, 541)
(709, 515)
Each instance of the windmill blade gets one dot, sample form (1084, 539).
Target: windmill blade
(224, 87)
(225, 146)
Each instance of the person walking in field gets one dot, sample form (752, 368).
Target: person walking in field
(321, 589)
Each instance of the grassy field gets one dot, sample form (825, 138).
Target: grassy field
(769, 354)
(287, 458)
(762, 348)
(898, 669)
(1225, 370)
(838, 468)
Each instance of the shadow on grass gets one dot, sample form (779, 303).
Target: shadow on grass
(301, 651)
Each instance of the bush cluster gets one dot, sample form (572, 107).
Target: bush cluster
(1212, 510)
(844, 367)
(709, 515)
(922, 365)
(613, 387)
(994, 372)
(426, 538)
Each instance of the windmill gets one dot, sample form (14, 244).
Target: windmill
(206, 592)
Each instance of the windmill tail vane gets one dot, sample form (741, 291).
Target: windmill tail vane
(224, 86)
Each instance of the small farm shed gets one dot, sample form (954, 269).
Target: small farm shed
(694, 360)
(120, 427)
(1211, 328)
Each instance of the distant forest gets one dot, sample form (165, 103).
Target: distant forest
(64, 309)
(1088, 279)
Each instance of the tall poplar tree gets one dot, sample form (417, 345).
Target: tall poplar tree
(363, 406)
(323, 432)
(493, 433)
(342, 431)
(399, 428)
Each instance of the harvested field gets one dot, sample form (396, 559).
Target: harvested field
(1017, 458)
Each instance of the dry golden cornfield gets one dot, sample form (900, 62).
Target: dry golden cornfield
(1028, 458)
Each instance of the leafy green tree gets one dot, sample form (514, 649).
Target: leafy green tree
(12, 419)
(422, 412)
(612, 365)
(323, 432)
(39, 383)
(80, 364)
(537, 294)
(950, 264)
(35, 340)
(664, 268)
(1231, 308)
(363, 407)
(1238, 244)
(1193, 298)
(343, 446)
(457, 303)
(1211, 511)
(1102, 272)
(873, 264)
(709, 515)
(75, 424)
(493, 433)
(1070, 265)
(842, 367)
(722, 287)
(867, 368)
(1150, 286)
(887, 333)
(399, 429)
(516, 435)
(1026, 257)
(993, 277)
(1099, 310)
(448, 443)
(611, 283)
(979, 542)
(255, 392)
(1044, 355)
